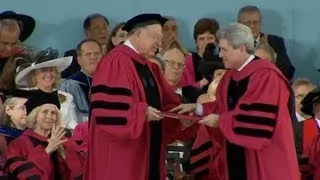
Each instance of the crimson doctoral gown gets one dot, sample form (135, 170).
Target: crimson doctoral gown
(119, 134)
(255, 123)
(27, 159)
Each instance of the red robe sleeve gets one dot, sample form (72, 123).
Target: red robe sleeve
(172, 127)
(3, 150)
(251, 124)
(115, 105)
(34, 164)
(74, 160)
(80, 136)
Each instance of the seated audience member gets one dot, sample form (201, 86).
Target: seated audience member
(26, 26)
(117, 36)
(251, 16)
(12, 124)
(264, 51)
(309, 160)
(79, 84)
(43, 72)
(301, 87)
(42, 149)
(174, 63)
(170, 37)
(204, 33)
(95, 26)
(13, 28)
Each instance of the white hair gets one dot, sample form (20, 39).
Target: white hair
(12, 23)
(237, 34)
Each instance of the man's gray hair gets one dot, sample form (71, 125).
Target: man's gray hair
(248, 9)
(11, 23)
(237, 34)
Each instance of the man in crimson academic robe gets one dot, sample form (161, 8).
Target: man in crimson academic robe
(251, 117)
(127, 136)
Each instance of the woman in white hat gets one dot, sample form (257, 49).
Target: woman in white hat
(43, 72)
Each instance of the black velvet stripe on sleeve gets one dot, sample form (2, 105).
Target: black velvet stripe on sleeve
(260, 133)
(111, 90)
(258, 120)
(110, 105)
(111, 120)
(269, 108)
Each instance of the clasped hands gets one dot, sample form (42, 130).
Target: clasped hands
(212, 120)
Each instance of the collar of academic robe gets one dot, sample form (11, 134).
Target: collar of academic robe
(255, 65)
(81, 78)
(130, 52)
(10, 131)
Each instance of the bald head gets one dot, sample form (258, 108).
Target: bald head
(174, 64)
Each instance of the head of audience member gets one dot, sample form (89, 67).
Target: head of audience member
(96, 26)
(89, 54)
(301, 87)
(9, 37)
(174, 63)
(42, 71)
(236, 45)
(117, 36)
(13, 113)
(145, 33)
(204, 32)
(265, 51)
(43, 112)
(251, 16)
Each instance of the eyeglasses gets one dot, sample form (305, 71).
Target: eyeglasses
(99, 29)
(172, 63)
(252, 23)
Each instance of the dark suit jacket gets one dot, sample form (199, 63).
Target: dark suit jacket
(74, 66)
(283, 62)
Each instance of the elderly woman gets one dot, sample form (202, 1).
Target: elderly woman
(203, 34)
(117, 36)
(42, 152)
(43, 72)
(13, 122)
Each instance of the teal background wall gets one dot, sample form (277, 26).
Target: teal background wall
(59, 22)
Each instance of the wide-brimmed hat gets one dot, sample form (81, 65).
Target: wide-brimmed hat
(44, 59)
(27, 22)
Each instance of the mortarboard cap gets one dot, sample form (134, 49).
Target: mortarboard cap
(309, 100)
(40, 98)
(143, 20)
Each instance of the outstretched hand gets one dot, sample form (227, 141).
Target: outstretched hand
(184, 108)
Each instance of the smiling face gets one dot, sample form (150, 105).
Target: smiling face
(46, 117)
(45, 78)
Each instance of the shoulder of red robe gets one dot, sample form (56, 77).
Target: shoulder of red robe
(130, 52)
(255, 66)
